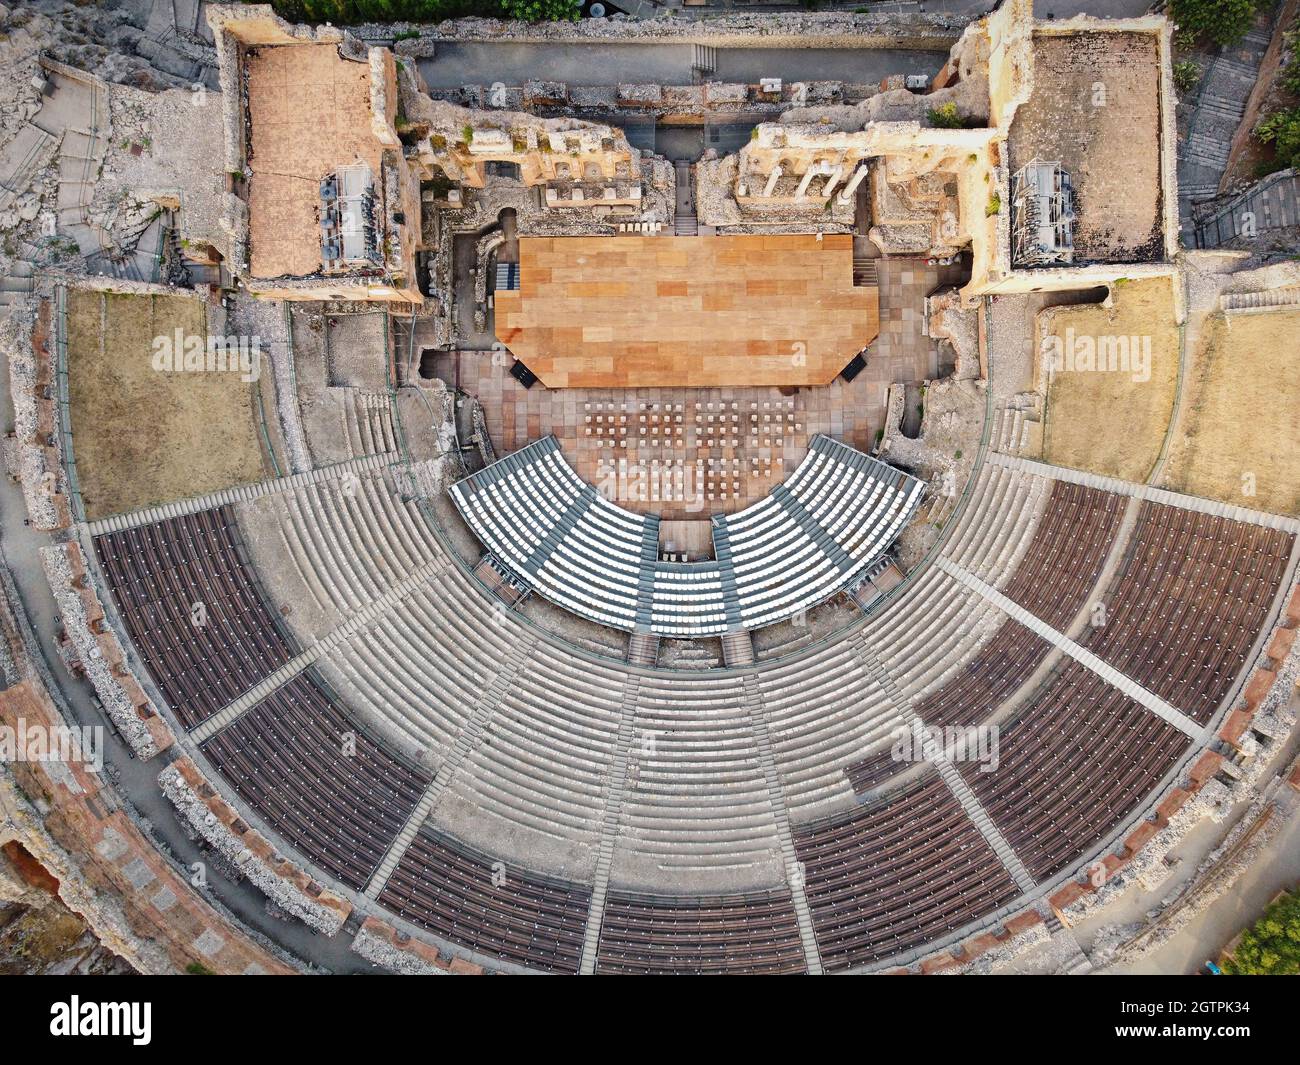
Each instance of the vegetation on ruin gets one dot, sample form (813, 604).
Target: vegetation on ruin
(352, 12)
(1271, 946)
(1186, 75)
(1289, 77)
(945, 117)
(1281, 130)
(542, 10)
(1220, 21)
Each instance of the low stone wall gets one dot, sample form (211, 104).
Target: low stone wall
(393, 950)
(1018, 934)
(109, 872)
(786, 29)
(100, 654)
(220, 825)
(33, 454)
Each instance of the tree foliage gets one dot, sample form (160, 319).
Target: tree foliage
(1221, 21)
(1270, 947)
(542, 10)
(1281, 129)
(351, 12)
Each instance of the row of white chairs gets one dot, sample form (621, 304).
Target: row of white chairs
(785, 554)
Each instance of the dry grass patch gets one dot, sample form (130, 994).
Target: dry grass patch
(1111, 421)
(143, 437)
(1240, 424)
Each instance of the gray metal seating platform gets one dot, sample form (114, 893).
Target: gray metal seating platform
(806, 541)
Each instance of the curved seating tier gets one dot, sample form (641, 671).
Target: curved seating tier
(192, 611)
(1072, 766)
(1193, 595)
(996, 672)
(698, 814)
(698, 799)
(998, 524)
(488, 905)
(1055, 572)
(1067, 554)
(889, 877)
(647, 934)
(810, 538)
(319, 779)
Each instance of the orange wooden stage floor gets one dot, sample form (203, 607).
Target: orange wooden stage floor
(625, 312)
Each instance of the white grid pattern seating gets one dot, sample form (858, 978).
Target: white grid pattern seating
(806, 541)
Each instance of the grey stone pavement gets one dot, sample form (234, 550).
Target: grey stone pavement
(603, 63)
(1059, 9)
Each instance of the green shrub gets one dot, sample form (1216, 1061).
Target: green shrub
(1289, 78)
(1281, 129)
(945, 117)
(1186, 75)
(1221, 21)
(542, 10)
(351, 12)
(1271, 946)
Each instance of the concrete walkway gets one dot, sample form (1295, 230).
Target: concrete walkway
(1080, 654)
(1147, 493)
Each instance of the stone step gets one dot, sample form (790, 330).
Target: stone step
(1223, 105)
(1234, 68)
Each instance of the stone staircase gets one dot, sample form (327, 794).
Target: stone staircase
(1260, 301)
(738, 648)
(643, 649)
(17, 285)
(864, 271)
(1271, 203)
(789, 859)
(1218, 110)
(685, 223)
(615, 794)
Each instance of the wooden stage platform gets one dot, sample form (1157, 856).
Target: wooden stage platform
(659, 312)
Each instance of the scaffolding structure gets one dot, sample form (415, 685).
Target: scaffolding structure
(347, 220)
(1042, 215)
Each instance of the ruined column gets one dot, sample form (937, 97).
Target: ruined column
(853, 184)
(805, 181)
(772, 179)
(836, 174)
